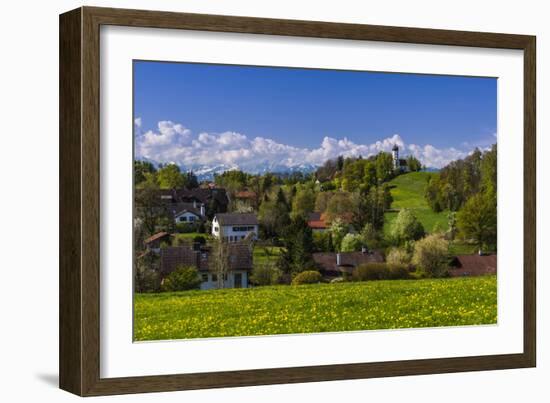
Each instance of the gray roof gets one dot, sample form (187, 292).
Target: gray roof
(315, 216)
(328, 261)
(237, 219)
(240, 257)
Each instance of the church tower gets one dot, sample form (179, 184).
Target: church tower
(395, 155)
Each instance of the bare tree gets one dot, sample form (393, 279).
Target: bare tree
(220, 260)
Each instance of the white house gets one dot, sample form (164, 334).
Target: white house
(236, 275)
(233, 279)
(235, 227)
(188, 212)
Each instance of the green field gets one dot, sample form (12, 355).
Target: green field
(408, 192)
(316, 308)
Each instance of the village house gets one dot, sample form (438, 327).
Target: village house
(215, 200)
(247, 198)
(473, 265)
(154, 241)
(336, 264)
(187, 212)
(233, 227)
(317, 222)
(200, 256)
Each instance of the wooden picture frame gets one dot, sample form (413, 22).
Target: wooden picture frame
(79, 346)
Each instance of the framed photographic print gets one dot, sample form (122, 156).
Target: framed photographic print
(250, 201)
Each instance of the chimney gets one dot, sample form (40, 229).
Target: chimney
(338, 260)
(203, 212)
(194, 204)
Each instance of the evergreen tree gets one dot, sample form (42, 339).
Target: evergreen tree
(298, 242)
(191, 182)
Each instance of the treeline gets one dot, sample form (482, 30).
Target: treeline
(167, 176)
(469, 187)
(357, 173)
(462, 179)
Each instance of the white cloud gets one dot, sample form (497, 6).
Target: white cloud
(172, 142)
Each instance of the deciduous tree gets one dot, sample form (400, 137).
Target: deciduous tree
(170, 177)
(351, 243)
(431, 255)
(478, 220)
(406, 227)
(338, 230)
(220, 263)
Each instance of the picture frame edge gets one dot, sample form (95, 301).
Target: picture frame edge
(79, 355)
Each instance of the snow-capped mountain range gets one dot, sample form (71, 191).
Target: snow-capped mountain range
(206, 172)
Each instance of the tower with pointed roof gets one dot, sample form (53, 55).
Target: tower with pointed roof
(395, 156)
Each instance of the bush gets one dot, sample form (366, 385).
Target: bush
(431, 256)
(398, 272)
(146, 276)
(181, 279)
(265, 274)
(307, 277)
(380, 271)
(185, 227)
(371, 271)
(398, 256)
(199, 239)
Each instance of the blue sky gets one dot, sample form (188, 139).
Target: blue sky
(174, 103)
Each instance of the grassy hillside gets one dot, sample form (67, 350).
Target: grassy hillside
(408, 192)
(316, 308)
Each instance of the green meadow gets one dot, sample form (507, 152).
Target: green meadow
(408, 192)
(316, 308)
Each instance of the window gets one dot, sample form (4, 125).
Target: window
(243, 229)
(204, 277)
(192, 218)
(214, 277)
(216, 229)
(183, 219)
